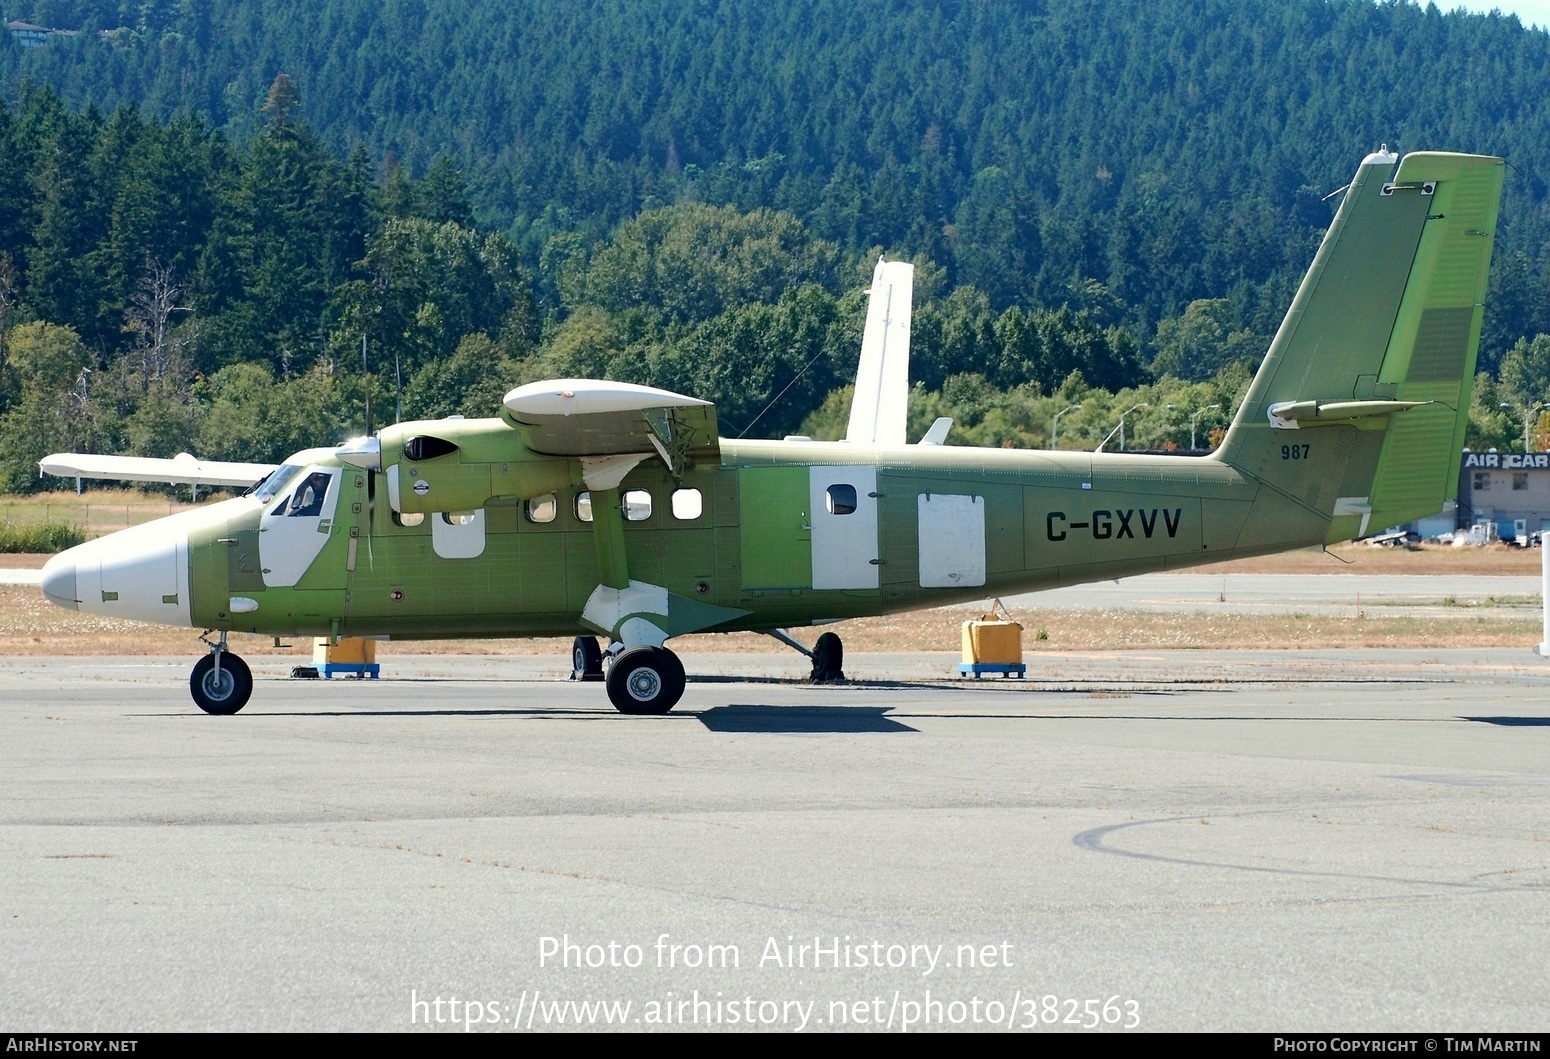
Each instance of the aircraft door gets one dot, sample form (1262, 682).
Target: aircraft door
(293, 531)
(776, 535)
(952, 540)
(843, 506)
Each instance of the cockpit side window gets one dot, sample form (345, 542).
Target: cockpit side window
(310, 494)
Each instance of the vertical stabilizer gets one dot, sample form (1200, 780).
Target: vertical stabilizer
(878, 410)
(1355, 420)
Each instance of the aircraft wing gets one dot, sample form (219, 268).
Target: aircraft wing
(593, 418)
(182, 469)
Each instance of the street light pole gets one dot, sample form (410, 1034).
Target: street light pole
(1055, 426)
(1529, 417)
(1122, 423)
(1193, 419)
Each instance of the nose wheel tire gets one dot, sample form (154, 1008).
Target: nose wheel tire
(645, 680)
(222, 693)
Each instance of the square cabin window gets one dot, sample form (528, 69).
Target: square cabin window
(687, 504)
(542, 508)
(584, 506)
(1519, 482)
(1482, 481)
(841, 499)
(637, 505)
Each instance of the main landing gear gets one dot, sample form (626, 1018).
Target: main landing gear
(650, 680)
(586, 659)
(221, 683)
(640, 680)
(645, 680)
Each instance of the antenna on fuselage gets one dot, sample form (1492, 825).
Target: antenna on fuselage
(366, 382)
(371, 477)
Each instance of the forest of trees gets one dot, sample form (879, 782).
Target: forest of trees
(208, 207)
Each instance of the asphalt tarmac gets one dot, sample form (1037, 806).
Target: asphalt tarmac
(1236, 840)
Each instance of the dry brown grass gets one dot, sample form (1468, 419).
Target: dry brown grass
(1429, 559)
(97, 511)
(30, 625)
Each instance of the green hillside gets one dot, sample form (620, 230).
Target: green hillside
(691, 194)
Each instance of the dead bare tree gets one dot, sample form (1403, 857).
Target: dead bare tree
(8, 284)
(149, 319)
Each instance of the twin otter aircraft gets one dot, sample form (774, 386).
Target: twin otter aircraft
(606, 508)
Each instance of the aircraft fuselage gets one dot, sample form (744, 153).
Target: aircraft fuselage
(777, 534)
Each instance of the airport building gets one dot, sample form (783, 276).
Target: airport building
(1508, 490)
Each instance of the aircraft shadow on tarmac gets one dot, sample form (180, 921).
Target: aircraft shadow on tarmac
(800, 719)
(1514, 722)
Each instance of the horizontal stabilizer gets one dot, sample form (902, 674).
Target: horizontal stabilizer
(182, 469)
(938, 432)
(1293, 414)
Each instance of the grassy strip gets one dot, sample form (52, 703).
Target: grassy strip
(30, 625)
(39, 536)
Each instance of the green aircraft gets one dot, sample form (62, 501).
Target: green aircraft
(598, 508)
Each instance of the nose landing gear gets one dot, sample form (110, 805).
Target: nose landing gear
(221, 683)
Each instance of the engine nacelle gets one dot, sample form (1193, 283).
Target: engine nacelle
(463, 464)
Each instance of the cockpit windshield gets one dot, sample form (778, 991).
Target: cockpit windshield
(275, 484)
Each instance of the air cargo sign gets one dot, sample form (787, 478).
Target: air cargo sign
(1118, 524)
(1507, 461)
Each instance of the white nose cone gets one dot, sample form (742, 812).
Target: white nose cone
(141, 573)
(58, 580)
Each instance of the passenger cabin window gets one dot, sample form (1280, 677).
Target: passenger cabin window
(456, 518)
(584, 506)
(426, 447)
(687, 504)
(637, 505)
(409, 521)
(542, 509)
(841, 499)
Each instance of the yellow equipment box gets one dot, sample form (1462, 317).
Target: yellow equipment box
(350, 655)
(993, 644)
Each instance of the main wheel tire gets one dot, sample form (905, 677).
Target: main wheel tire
(586, 659)
(828, 659)
(224, 693)
(645, 680)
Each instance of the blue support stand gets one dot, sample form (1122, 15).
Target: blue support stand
(1006, 669)
(357, 669)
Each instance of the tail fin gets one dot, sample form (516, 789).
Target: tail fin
(879, 409)
(1356, 418)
